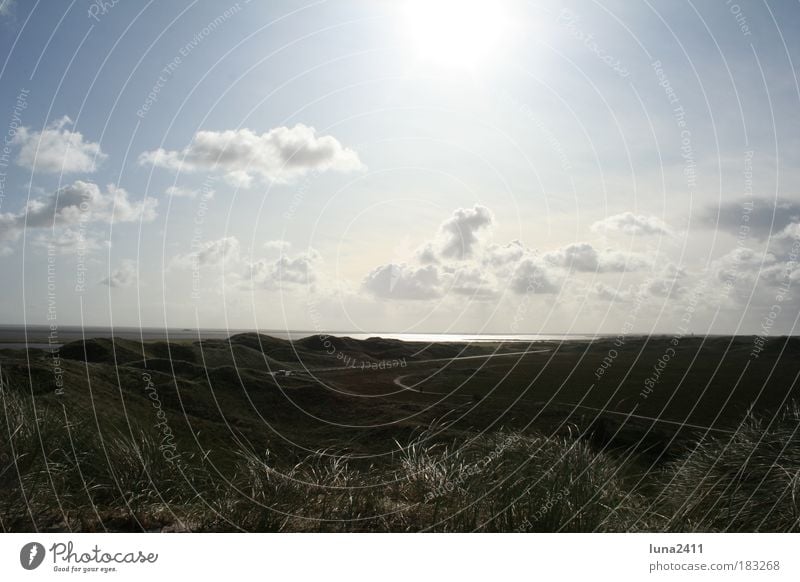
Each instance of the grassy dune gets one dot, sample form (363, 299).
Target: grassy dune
(199, 436)
(61, 476)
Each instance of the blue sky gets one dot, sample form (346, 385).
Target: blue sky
(407, 166)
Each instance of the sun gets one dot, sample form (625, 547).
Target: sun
(456, 33)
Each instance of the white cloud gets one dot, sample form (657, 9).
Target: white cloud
(123, 276)
(57, 149)
(280, 155)
(632, 224)
(76, 203)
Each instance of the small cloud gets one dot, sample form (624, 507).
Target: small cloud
(182, 192)
(123, 276)
(57, 149)
(69, 241)
(286, 270)
(632, 224)
(80, 202)
(6, 6)
(209, 253)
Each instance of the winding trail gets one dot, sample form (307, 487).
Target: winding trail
(431, 360)
(398, 381)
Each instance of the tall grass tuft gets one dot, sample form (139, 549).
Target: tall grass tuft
(746, 483)
(513, 482)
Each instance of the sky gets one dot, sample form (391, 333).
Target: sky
(411, 166)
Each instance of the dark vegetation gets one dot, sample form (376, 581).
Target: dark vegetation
(201, 437)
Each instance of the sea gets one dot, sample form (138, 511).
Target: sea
(42, 337)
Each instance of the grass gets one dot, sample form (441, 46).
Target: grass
(748, 482)
(58, 477)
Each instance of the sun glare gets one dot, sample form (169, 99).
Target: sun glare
(455, 33)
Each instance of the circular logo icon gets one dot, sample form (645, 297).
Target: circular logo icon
(31, 555)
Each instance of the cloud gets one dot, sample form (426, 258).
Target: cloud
(264, 273)
(300, 269)
(68, 241)
(279, 155)
(56, 149)
(740, 263)
(210, 253)
(501, 255)
(470, 280)
(123, 276)
(760, 217)
(584, 257)
(757, 278)
(449, 263)
(608, 293)
(459, 233)
(182, 192)
(277, 245)
(214, 252)
(460, 262)
(74, 204)
(665, 283)
(6, 6)
(632, 224)
(401, 281)
(458, 236)
(534, 276)
(786, 243)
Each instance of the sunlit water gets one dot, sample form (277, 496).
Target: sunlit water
(42, 337)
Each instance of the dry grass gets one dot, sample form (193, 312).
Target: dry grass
(58, 477)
